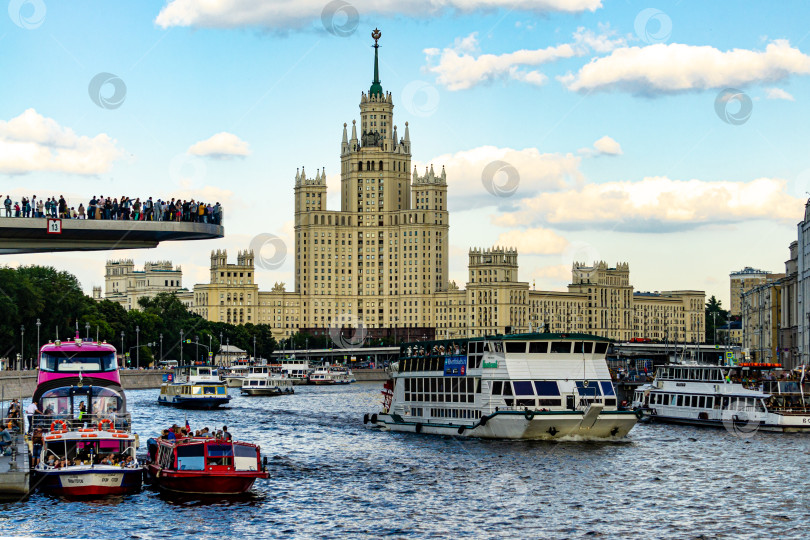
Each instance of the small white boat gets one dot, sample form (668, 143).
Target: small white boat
(295, 369)
(331, 375)
(234, 375)
(194, 387)
(261, 381)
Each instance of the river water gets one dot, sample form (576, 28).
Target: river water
(331, 476)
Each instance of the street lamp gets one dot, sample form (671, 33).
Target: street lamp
(38, 325)
(122, 346)
(228, 351)
(254, 348)
(181, 346)
(161, 347)
(138, 345)
(22, 346)
(87, 330)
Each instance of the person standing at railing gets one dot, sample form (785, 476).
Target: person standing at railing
(7, 204)
(30, 411)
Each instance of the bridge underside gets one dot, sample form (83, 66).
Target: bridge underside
(30, 235)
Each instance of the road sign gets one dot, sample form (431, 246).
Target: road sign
(210, 354)
(54, 226)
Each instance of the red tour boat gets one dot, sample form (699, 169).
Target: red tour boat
(204, 465)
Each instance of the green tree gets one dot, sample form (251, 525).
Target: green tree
(716, 317)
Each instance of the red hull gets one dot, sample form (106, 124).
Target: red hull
(92, 491)
(204, 482)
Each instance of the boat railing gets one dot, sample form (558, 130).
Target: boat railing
(59, 422)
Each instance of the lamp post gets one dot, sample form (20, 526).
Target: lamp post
(210, 356)
(161, 347)
(254, 348)
(197, 350)
(122, 345)
(181, 347)
(138, 349)
(228, 349)
(22, 346)
(87, 330)
(38, 324)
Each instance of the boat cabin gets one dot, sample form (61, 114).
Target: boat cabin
(205, 454)
(715, 374)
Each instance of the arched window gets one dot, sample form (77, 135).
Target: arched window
(381, 165)
(359, 165)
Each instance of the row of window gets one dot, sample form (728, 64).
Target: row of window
(468, 414)
(707, 402)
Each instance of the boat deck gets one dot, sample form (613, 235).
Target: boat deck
(15, 474)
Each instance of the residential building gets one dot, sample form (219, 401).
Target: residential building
(124, 284)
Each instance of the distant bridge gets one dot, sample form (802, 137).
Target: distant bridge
(41, 235)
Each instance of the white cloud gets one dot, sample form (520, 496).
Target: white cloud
(32, 142)
(286, 15)
(658, 204)
(608, 146)
(470, 183)
(457, 67)
(667, 68)
(778, 93)
(537, 241)
(221, 146)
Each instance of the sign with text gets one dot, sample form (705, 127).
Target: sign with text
(455, 366)
(54, 226)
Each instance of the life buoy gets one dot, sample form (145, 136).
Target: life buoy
(61, 423)
(461, 429)
(639, 414)
(483, 421)
(108, 422)
(529, 415)
(374, 418)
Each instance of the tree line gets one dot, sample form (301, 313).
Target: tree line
(54, 299)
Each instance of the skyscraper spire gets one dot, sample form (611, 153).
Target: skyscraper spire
(376, 87)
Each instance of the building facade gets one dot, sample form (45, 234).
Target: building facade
(761, 314)
(744, 280)
(382, 260)
(126, 285)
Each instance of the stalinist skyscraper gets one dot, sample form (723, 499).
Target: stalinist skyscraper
(384, 253)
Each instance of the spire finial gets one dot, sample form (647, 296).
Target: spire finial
(376, 87)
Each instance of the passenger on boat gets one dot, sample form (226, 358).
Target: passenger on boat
(226, 434)
(6, 437)
(30, 411)
(36, 445)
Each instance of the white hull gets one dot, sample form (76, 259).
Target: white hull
(234, 382)
(266, 392)
(545, 425)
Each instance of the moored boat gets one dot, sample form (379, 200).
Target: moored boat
(194, 387)
(521, 386)
(86, 449)
(204, 466)
(328, 375)
(234, 375)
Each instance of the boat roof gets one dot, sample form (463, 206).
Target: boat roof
(205, 440)
(534, 336)
(76, 345)
(97, 434)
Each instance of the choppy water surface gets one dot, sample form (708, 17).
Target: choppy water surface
(332, 476)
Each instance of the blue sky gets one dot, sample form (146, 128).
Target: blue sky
(606, 110)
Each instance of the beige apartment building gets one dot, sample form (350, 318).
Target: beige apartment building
(126, 285)
(382, 260)
(743, 281)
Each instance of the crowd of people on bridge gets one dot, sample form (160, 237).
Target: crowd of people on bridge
(111, 208)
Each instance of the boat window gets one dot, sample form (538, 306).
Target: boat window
(75, 361)
(579, 347)
(209, 389)
(523, 388)
(525, 402)
(538, 347)
(516, 346)
(591, 389)
(549, 402)
(497, 388)
(607, 388)
(245, 458)
(547, 388)
(191, 457)
(196, 390)
(487, 347)
(220, 454)
(507, 388)
(679, 403)
(561, 347)
(600, 348)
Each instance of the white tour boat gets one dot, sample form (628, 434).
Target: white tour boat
(328, 375)
(194, 387)
(261, 381)
(521, 386)
(234, 375)
(296, 370)
(736, 397)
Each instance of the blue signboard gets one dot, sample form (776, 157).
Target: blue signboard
(455, 366)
